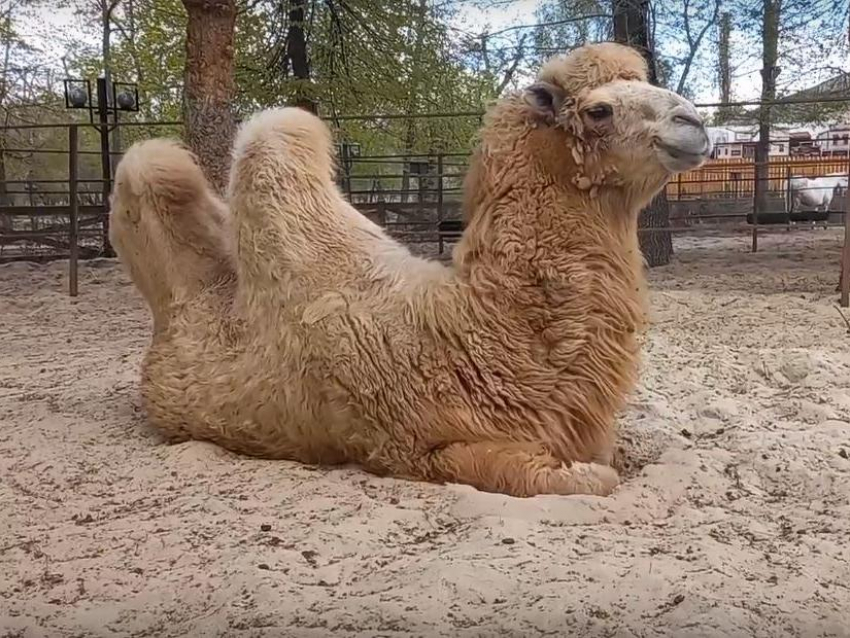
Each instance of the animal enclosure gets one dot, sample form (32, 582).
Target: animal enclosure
(416, 197)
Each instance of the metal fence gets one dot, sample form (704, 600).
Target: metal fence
(416, 197)
(54, 198)
(409, 195)
(724, 192)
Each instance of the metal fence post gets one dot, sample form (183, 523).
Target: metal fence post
(105, 161)
(73, 165)
(844, 279)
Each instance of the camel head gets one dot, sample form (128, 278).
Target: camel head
(598, 122)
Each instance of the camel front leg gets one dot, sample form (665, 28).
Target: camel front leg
(518, 469)
(296, 237)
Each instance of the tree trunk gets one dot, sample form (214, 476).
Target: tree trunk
(724, 67)
(5, 220)
(631, 27)
(209, 85)
(112, 136)
(723, 63)
(770, 39)
(299, 60)
(106, 8)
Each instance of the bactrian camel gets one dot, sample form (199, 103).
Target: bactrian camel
(286, 325)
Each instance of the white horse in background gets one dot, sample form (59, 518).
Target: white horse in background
(815, 192)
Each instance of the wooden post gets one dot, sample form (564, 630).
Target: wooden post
(844, 278)
(73, 157)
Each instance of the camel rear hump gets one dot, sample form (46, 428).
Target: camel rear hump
(290, 142)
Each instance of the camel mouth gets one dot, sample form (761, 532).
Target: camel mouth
(676, 159)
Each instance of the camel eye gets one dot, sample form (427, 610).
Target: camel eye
(600, 112)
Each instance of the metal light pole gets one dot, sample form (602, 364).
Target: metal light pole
(124, 97)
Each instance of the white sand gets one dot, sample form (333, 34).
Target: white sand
(737, 525)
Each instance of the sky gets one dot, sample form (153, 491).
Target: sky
(470, 17)
(522, 12)
(47, 27)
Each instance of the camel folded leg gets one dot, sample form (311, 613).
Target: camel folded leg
(167, 226)
(296, 236)
(519, 469)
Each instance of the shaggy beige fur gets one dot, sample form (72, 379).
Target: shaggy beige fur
(294, 328)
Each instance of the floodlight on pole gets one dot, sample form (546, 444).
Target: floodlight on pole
(110, 98)
(79, 95)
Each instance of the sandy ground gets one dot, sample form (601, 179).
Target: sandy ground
(735, 521)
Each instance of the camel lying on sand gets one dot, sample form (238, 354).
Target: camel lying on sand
(286, 325)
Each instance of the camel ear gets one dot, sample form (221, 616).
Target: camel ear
(545, 98)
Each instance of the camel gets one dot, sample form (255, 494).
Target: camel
(286, 325)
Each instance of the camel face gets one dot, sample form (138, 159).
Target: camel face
(633, 128)
(681, 141)
(617, 128)
(643, 129)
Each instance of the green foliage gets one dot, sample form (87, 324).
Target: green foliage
(367, 57)
(401, 57)
(148, 48)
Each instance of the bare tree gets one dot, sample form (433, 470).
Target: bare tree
(5, 220)
(413, 96)
(694, 39)
(507, 66)
(19, 74)
(209, 85)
